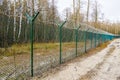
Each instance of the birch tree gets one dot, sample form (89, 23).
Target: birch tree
(30, 4)
(88, 8)
(78, 13)
(9, 8)
(74, 12)
(53, 11)
(95, 13)
(14, 35)
(21, 15)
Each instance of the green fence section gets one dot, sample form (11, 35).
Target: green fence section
(47, 47)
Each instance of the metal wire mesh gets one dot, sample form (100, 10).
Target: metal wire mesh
(15, 59)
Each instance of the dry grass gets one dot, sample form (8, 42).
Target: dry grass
(43, 48)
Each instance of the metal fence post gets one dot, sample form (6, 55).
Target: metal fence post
(85, 41)
(76, 30)
(31, 56)
(99, 39)
(95, 38)
(60, 39)
(85, 38)
(103, 38)
(31, 21)
(91, 38)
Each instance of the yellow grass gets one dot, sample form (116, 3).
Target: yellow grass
(38, 47)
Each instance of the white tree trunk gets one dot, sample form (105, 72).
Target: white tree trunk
(14, 21)
(21, 15)
(9, 8)
(88, 8)
(30, 6)
(79, 12)
(74, 12)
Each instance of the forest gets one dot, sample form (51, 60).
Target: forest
(15, 27)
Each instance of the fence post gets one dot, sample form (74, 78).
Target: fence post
(91, 38)
(95, 38)
(99, 39)
(31, 21)
(60, 40)
(86, 40)
(76, 30)
(103, 38)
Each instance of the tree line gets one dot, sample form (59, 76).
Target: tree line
(14, 26)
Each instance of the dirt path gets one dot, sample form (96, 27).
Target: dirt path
(103, 65)
(109, 69)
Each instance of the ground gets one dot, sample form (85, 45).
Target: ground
(102, 65)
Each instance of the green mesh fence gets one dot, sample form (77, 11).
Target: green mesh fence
(15, 58)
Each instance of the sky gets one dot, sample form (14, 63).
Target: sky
(110, 8)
